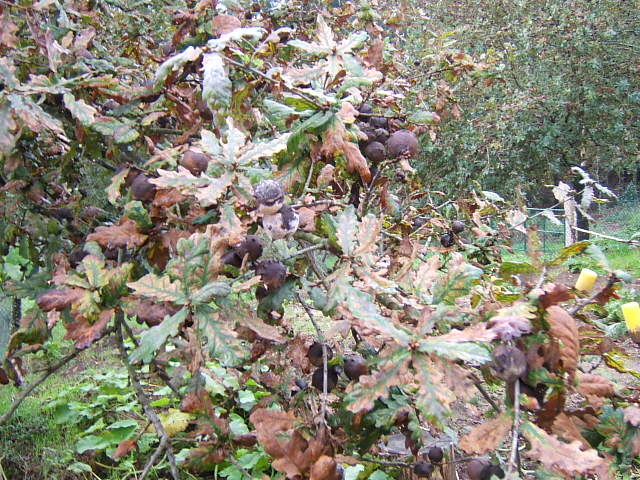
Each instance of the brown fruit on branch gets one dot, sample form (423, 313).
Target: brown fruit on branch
(435, 454)
(446, 240)
(381, 135)
(509, 363)
(195, 162)
(318, 377)
(273, 273)
(423, 469)
(355, 366)
(457, 226)
(402, 142)
(142, 189)
(375, 152)
(315, 354)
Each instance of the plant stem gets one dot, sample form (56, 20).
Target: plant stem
(516, 426)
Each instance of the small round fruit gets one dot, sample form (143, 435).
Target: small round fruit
(251, 245)
(457, 226)
(423, 469)
(446, 240)
(367, 110)
(142, 189)
(355, 366)
(273, 273)
(232, 258)
(478, 468)
(509, 363)
(381, 134)
(375, 152)
(379, 122)
(317, 379)
(435, 454)
(195, 162)
(402, 142)
(315, 354)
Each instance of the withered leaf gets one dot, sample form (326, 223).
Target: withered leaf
(564, 427)
(59, 299)
(267, 332)
(475, 333)
(124, 447)
(563, 458)
(269, 425)
(564, 331)
(553, 293)
(85, 333)
(123, 235)
(487, 436)
(325, 468)
(590, 384)
(223, 24)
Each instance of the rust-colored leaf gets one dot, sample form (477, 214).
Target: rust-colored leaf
(124, 447)
(325, 468)
(149, 312)
(475, 333)
(374, 54)
(564, 458)
(59, 299)
(356, 161)
(564, 332)
(225, 24)
(307, 219)
(554, 293)
(123, 235)
(590, 384)
(270, 424)
(564, 427)
(267, 332)
(85, 333)
(487, 436)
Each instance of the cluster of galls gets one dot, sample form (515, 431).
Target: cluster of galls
(380, 143)
(449, 239)
(424, 468)
(354, 366)
(483, 469)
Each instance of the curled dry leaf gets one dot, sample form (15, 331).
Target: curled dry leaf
(85, 333)
(564, 427)
(563, 458)
(553, 294)
(325, 468)
(123, 235)
(59, 299)
(564, 334)
(269, 424)
(487, 436)
(124, 447)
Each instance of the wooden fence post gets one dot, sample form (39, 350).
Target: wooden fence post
(570, 221)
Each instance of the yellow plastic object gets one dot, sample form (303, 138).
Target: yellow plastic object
(586, 280)
(631, 313)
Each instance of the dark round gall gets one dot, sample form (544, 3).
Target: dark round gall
(375, 152)
(379, 122)
(273, 273)
(435, 454)
(142, 189)
(317, 379)
(367, 110)
(251, 245)
(423, 469)
(195, 162)
(478, 469)
(446, 240)
(509, 363)
(457, 226)
(355, 366)
(315, 354)
(232, 258)
(381, 135)
(402, 142)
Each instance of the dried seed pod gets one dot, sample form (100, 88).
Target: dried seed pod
(269, 197)
(509, 363)
(355, 366)
(402, 142)
(315, 354)
(195, 162)
(332, 378)
(423, 469)
(281, 224)
(273, 273)
(435, 454)
(446, 240)
(142, 189)
(375, 152)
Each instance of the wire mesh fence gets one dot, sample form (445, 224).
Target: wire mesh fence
(552, 234)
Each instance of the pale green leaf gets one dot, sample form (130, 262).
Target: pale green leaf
(94, 271)
(352, 42)
(312, 48)
(160, 288)
(423, 117)
(264, 149)
(80, 110)
(113, 190)
(152, 339)
(347, 229)
(214, 189)
(216, 86)
(467, 352)
(248, 33)
(213, 289)
(175, 63)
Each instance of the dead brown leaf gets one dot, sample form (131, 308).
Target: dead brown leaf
(270, 424)
(564, 333)
(59, 299)
(564, 427)
(307, 219)
(123, 235)
(590, 384)
(124, 447)
(487, 436)
(374, 54)
(225, 24)
(554, 294)
(325, 468)
(475, 333)
(85, 333)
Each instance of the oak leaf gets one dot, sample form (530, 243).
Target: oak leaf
(59, 299)
(564, 334)
(85, 333)
(123, 235)
(487, 436)
(271, 424)
(565, 427)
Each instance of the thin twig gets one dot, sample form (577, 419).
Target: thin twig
(485, 394)
(513, 465)
(635, 243)
(240, 467)
(50, 370)
(153, 458)
(321, 339)
(316, 270)
(612, 280)
(146, 405)
(306, 250)
(308, 182)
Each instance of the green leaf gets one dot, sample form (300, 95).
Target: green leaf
(161, 288)
(379, 475)
(347, 229)
(568, 252)
(120, 132)
(598, 255)
(79, 467)
(494, 197)
(94, 270)
(423, 117)
(353, 472)
(92, 442)
(237, 425)
(468, 352)
(213, 289)
(216, 86)
(249, 33)
(515, 268)
(151, 340)
(362, 307)
(80, 110)
(135, 211)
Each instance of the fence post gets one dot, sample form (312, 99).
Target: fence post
(570, 221)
